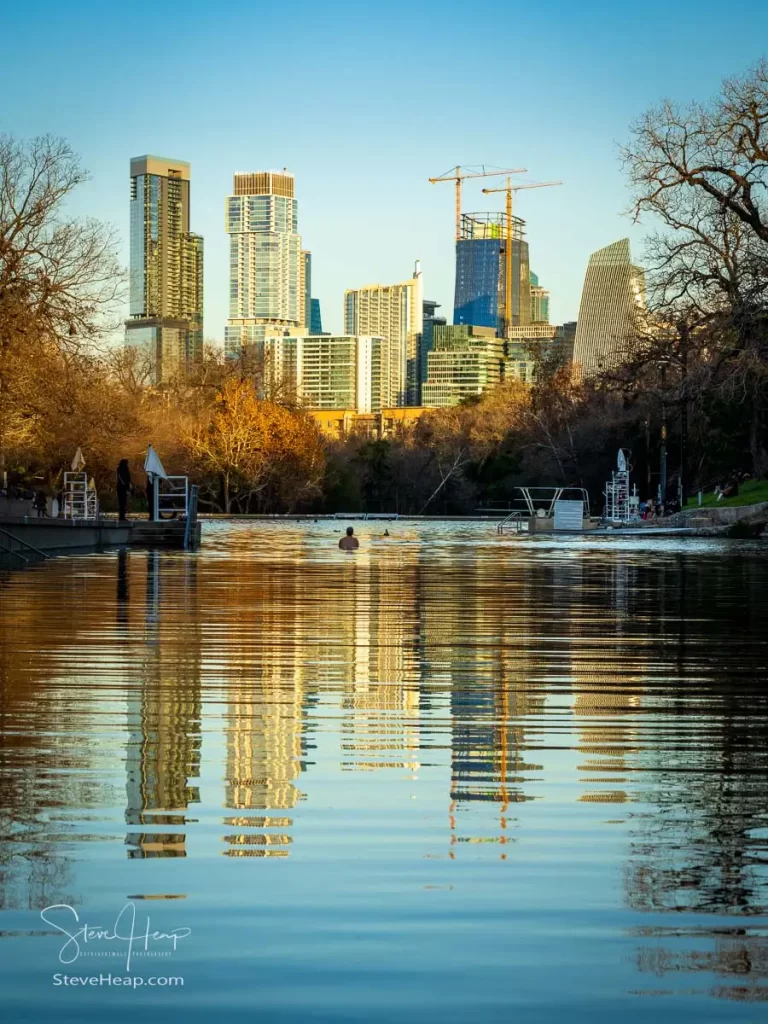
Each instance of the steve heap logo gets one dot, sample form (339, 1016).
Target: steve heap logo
(126, 939)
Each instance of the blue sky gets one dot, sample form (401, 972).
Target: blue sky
(364, 103)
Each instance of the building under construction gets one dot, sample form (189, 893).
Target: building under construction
(481, 272)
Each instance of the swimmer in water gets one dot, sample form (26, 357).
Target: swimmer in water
(350, 542)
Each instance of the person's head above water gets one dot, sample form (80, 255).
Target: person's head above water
(350, 531)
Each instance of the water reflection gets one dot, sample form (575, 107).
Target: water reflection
(447, 704)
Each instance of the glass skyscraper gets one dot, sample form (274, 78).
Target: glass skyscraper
(481, 272)
(427, 340)
(315, 317)
(267, 269)
(611, 301)
(166, 267)
(539, 302)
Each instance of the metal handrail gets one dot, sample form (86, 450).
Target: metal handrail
(513, 517)
(23, 543)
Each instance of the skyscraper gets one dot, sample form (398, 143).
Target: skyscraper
(266, 265)
(612, 298)
(305, 289)
(166, 267)
(315, 318)
(481, 272)
(395, 313)
(539, 302)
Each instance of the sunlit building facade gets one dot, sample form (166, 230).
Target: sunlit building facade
(611, 301)
(464, 362)
(267, 269)
(393, 312)
(331, 371)
(166, 268)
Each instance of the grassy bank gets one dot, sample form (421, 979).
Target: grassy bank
(750, 493)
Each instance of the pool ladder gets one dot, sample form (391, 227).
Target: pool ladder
(514, 522)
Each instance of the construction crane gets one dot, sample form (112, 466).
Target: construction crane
(456, 175)
(509, 188)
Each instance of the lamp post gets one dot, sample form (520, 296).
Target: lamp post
(663, 452)
(684, 332)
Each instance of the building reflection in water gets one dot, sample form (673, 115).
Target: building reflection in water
(637, 682)
(698, 835)
(164, 710)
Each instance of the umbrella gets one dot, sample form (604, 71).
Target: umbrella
(78, 463)
(153, 467)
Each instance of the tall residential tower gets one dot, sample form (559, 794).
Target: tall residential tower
(394, 312)
(267, 269)
(166, 267)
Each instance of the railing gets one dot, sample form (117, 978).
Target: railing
(7, 542)
(367, 515)
(172, 495)
(513, 520)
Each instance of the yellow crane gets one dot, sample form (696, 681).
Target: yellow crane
(509, 188)
(456, 175)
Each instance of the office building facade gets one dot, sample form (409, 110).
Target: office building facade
(394, 312)
(534, 346)
(465, 361)
(267, 268)
(480, 292)
(166, 267)
(612, 300)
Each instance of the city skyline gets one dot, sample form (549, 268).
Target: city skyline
(568, 129)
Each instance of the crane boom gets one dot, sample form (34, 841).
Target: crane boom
(455, 175)
(509, 188)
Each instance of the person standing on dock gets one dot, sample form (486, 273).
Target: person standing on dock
(123, 488)
(349, 542)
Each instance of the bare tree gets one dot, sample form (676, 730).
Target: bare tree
(719, 151)
(59, 277)
(60, 280)
(701, 172)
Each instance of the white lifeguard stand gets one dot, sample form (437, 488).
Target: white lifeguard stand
(80, 500)
(621, 506)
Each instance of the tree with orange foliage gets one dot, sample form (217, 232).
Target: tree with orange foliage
(247, 449)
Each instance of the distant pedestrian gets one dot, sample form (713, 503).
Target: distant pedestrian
(123, 488)
(350, 542)
(40, 504)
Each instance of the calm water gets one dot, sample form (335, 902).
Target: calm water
(451, 777)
